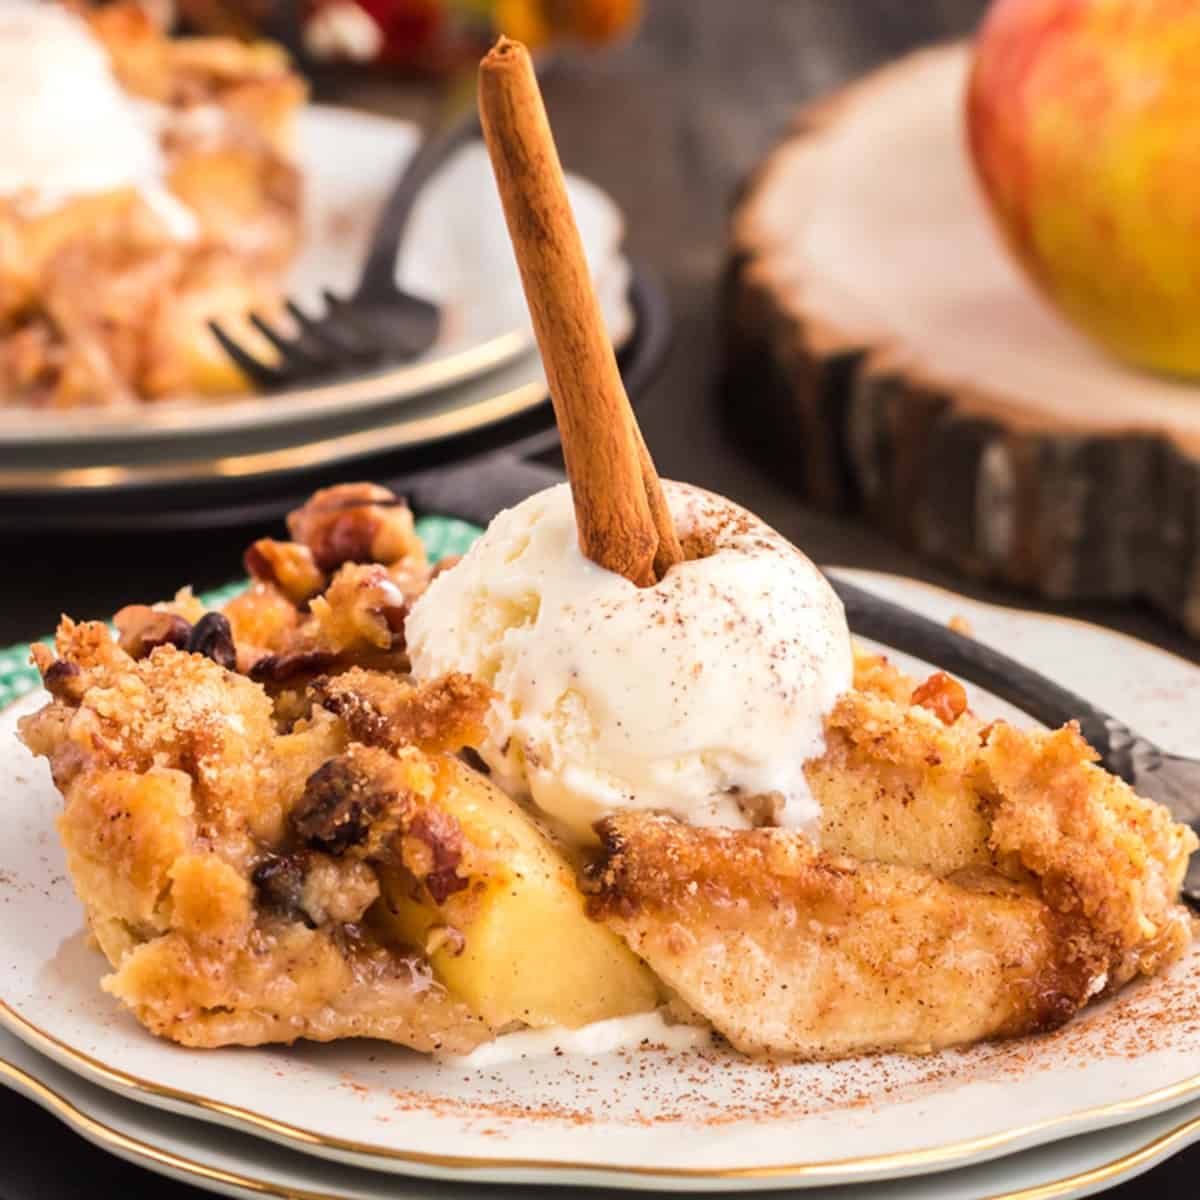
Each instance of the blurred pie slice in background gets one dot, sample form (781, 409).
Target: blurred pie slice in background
(147, 187)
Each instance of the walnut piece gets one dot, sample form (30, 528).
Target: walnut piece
(355, 522)
(142, 628)
(289, 566)
(65, 681)
(352, 803)
(362, 609)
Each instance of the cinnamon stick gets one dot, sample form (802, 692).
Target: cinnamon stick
(623, 519)
(668, 551)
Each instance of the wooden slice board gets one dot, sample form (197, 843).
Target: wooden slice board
(879, 334)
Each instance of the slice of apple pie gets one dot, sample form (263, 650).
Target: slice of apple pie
(278, 833)
(150, 185)
(973, 881)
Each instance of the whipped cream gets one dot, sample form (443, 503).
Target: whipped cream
(703, 696)
(69, 129)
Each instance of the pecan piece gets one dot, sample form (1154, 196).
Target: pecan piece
(432, 850)
(353, 802)
(289, 566)
(65, 681)
(355, 522)
(212, 637)
(943, 696)
(288, 667)
(362, 609)
(142, 628)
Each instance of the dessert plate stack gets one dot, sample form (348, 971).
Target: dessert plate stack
(1066, 1114)
(482, 375)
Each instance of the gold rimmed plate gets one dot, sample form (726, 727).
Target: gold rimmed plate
(237, 477)
(206, 1156)
(695, 1120)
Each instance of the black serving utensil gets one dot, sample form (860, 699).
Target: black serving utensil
(379, 322)
(1171, 779)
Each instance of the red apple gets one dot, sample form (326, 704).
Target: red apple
(1083, 119)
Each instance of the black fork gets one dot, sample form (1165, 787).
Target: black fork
(378, 322)
(1171, 779)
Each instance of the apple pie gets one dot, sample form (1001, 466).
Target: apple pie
(154, 190)
(277, 832)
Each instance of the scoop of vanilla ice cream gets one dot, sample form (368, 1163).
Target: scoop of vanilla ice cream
(69, 129)
(694, 697)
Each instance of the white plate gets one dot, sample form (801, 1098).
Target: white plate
(456, 252)
(203, 1155)
(682, 1121)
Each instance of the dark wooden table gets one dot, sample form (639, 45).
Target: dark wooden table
(669, 125)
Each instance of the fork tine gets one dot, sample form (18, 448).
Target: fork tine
(306, 323)
(289, 349)
(315, 328)
(326, 331)
(258, 372)
(316, 340)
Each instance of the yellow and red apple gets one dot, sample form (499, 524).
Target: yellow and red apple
(1083, 119)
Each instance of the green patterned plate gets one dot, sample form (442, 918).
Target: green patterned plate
(441, 535)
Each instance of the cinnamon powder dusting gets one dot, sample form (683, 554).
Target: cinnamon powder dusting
(650, 1086)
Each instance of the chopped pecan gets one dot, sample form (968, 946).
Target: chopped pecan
(65, 681)
(355, 522)
(394, 616)
(353, 802)
(432, 851)
(288, 667)
(943, 696)
(362, 609)
(289, 566)
(142, 628)
(212, 637)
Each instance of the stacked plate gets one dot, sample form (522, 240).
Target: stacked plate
(482, 379)
(1066, 1114)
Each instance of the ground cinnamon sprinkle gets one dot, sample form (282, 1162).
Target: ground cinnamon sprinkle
(652, 1087)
